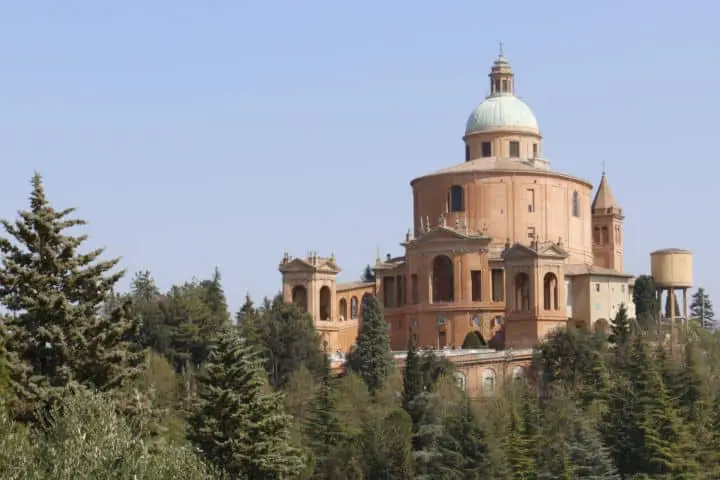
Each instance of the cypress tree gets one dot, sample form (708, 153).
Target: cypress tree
(59, 339)
(412, 379)
(237, 423)
(372, 358)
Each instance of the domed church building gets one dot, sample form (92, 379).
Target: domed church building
(501, 244)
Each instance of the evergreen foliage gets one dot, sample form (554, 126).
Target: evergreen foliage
(56, 337)
(472, 340)
(647, 308)
(371, 358)
(413, 383)
(238, 424)
(701, 308)
(368, 275)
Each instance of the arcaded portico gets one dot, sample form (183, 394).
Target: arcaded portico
(500, 244)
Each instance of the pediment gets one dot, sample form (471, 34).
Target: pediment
(303, 265)
(548, 250)
(441, 234)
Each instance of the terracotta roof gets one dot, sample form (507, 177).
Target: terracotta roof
(353, 285)
(604, 199)
(583, 269)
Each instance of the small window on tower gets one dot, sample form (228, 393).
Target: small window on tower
(486, 149)
(456, 199)
(514, 149)
(535, 150)
(504, 85)
(467, 153)
(531, 233)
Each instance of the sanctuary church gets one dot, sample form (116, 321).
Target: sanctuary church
(501, 244)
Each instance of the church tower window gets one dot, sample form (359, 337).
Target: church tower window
(457, 203)
(467, 153)
(514, 149)
(575, 204)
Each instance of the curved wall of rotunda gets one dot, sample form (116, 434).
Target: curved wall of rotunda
(510, 203)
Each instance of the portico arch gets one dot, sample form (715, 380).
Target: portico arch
(299, 296)
(522, 292)
(550, 292)
(443, 279)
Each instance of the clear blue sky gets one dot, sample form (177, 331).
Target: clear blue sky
(193, 134)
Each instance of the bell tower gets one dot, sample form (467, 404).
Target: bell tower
(502, 79)
(607, 228)
(311, 284)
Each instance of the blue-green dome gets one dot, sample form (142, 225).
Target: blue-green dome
(501, 111)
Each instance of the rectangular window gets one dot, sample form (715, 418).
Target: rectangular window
(414, 288)
(596, 235)
(504, 85)
(514, 149)
(498, 287)
(400, 289)
(486, 149)
(531, 233)
(531, 200)
(388, 292)
(467, 153)
(535, 150)
(575, 204)
(456, 199)
(476, 285)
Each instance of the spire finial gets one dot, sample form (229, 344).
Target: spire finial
(603, 168)
(501, 50)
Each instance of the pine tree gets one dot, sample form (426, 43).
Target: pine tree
(372, 358)
(588, 456)
(324, 433)
(412, 380)
(237, 423)
(621, 329)
(59, 339)
(701, 308)
(368, 275)
(467, 439)
(249, 325)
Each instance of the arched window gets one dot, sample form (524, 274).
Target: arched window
(605, 235)
(575, 204)
(461, 380)
(522, 292)
(596, 235)
(325, 307)
(443, 279)
(343, 309)
(299, 297)
(550, 291)
(518, 373)
(488, 381)
(457, 203)
(354, 308)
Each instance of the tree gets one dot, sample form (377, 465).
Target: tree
(621, 330)
(368, 275)
(587, 454)
(412, 379)
(59, 339)
(289, 341)
(647, 308)
(237, 423)
(473, 339)
(324, 434)
(468, 440)
(701, 308)
(676, 313)
(371, 358)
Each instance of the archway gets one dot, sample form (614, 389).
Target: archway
(518, 373)
(550, 292)
(443, 279)
(325, 307)
(299, 297)
(343, 309)
(522, 292)
(354, 308)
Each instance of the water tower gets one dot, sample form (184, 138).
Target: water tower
(672, 270)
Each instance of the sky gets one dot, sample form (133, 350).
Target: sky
(196, 134)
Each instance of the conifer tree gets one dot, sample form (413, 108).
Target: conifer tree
(325, 435)
(621, 328)
(249, 325)
(59, 339)
(237, 423)
(469, 442)
(701, 308)
(371, 358)
(588, 456)
(412, 379)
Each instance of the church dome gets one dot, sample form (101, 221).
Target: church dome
(501, 111)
